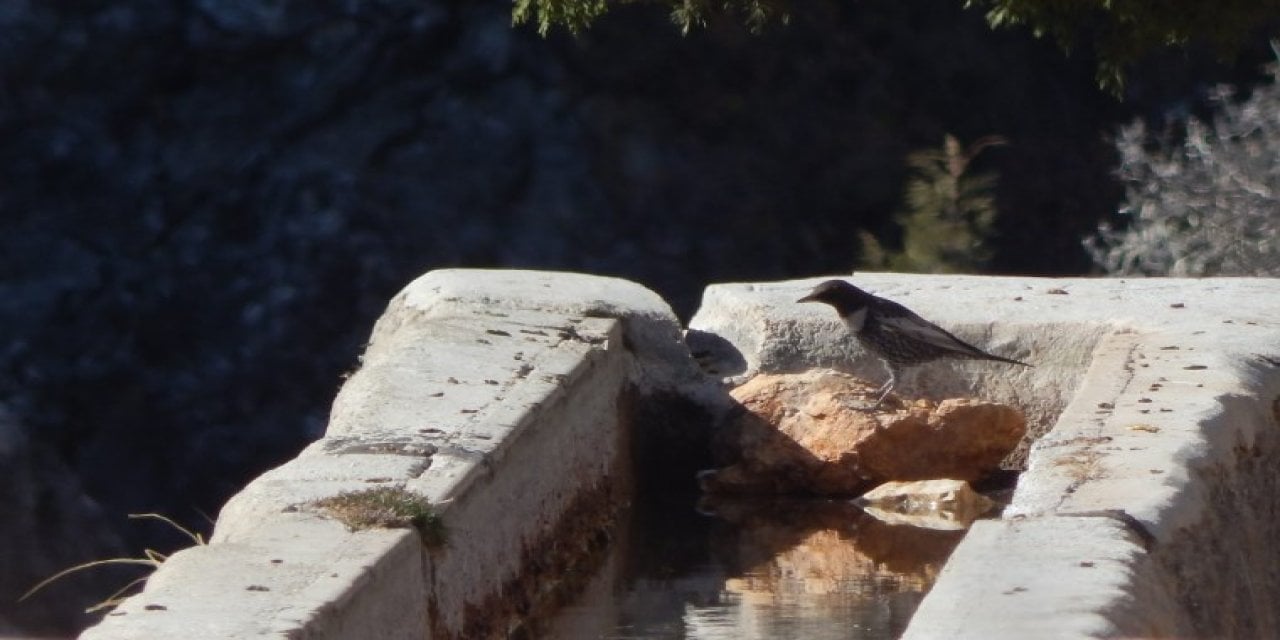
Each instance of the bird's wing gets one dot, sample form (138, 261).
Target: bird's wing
(903, 321)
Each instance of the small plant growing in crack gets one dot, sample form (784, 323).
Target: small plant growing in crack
(150, 558)
(387, 508)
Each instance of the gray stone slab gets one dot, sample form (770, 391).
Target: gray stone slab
(1156, 404)
(1147, 507)
(295, 575)
(495, 394)
(1058, 578)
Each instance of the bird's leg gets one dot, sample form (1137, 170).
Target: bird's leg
(888, 386)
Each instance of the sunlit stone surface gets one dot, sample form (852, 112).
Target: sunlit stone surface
(813, 433)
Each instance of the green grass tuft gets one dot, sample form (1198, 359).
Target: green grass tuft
(387, 508)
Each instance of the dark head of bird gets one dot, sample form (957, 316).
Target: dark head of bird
(845, 297)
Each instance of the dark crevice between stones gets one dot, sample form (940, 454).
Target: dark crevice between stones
(552, 568)
(665, 438)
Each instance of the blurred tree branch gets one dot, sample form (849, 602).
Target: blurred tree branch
(1120, 32)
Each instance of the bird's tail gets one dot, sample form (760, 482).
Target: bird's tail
(988, 356)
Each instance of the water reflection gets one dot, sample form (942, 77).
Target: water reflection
(756, 569)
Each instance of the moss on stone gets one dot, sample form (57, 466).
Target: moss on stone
(387, 508)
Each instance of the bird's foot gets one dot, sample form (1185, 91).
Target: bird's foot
(882, 393)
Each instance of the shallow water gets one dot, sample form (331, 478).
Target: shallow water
(754, 569)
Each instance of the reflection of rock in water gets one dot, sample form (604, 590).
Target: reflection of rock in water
(751, 569)
(933, 504)
(823, 560)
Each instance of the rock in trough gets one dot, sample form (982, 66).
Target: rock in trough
(813, 433)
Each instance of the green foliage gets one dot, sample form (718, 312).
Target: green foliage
(948, 213)
(576, 15)
(1120, 31)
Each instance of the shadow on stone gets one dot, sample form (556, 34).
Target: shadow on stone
(715, 355)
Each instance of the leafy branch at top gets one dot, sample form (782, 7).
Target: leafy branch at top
(1120, 32)
(576, 15)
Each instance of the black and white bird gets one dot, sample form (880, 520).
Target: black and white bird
(894, 333)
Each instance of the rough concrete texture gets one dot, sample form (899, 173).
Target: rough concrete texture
(498, 395)
(1147, 507)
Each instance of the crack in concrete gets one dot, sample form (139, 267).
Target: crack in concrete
(387, 447)
(1132, 524)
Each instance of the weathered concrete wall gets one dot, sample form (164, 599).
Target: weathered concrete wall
(1170, 446)
(503, 397)
(1148, 506)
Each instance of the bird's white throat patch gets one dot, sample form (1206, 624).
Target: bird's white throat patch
(856, 319)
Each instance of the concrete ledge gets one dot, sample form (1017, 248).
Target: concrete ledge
(1148, 505)
(504, 398)
(1067, 589)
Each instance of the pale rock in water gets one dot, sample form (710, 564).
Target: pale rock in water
(943, 504)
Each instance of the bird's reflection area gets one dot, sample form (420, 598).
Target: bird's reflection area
(754, 569)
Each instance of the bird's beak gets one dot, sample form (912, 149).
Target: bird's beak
(808, 298)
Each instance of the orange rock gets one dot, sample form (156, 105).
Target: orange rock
(813, 433)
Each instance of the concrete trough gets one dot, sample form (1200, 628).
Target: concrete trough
(1150, 501)
(503, 397)
(1147, 506)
